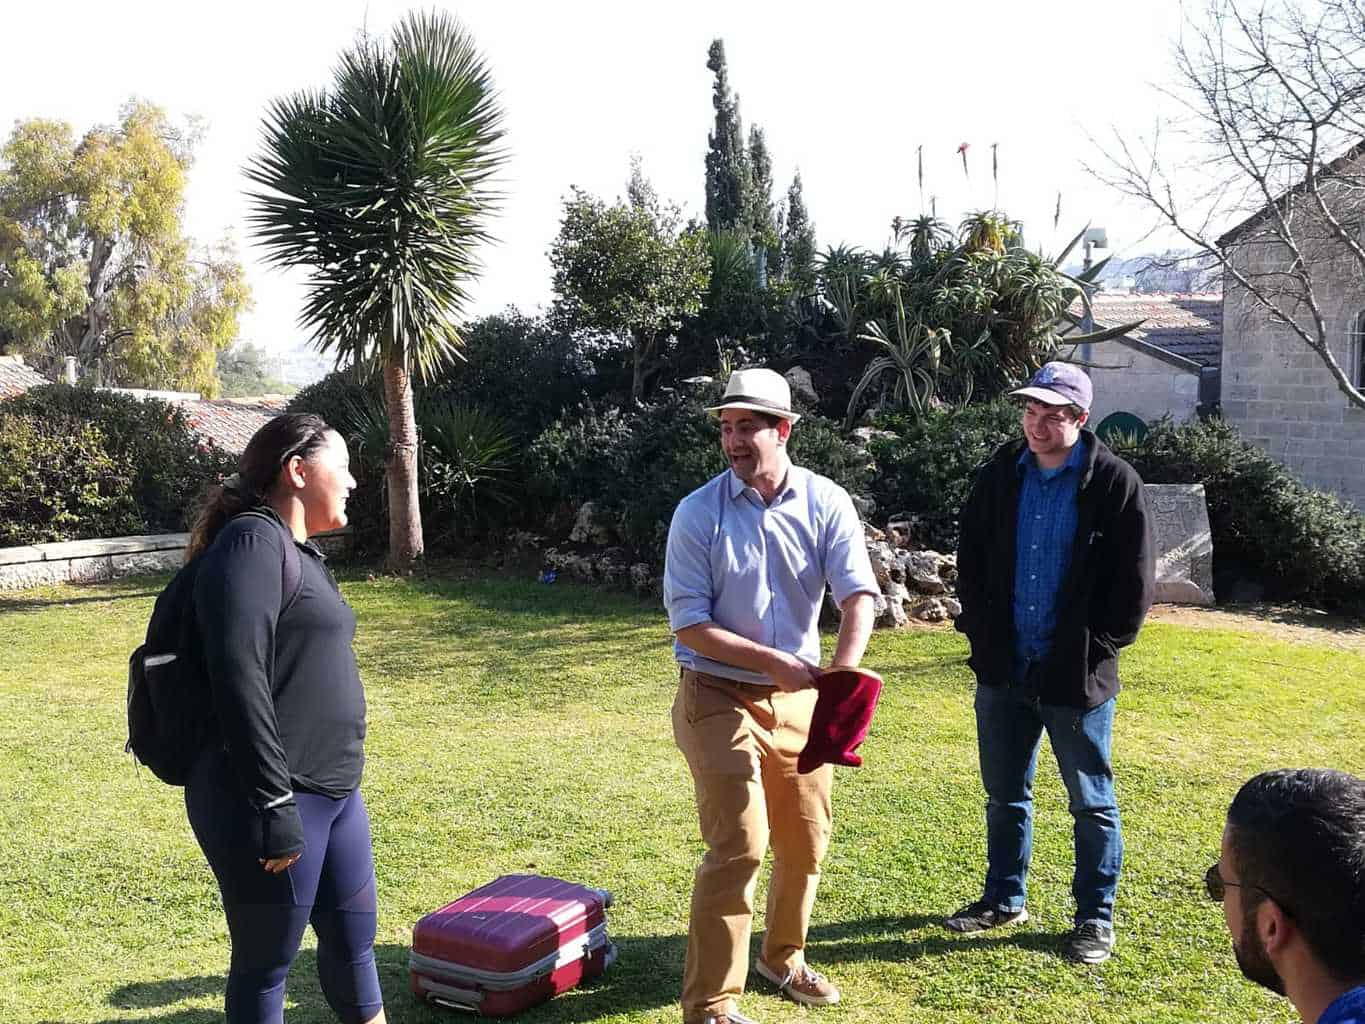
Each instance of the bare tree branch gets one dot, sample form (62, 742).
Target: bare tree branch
(1274, 98)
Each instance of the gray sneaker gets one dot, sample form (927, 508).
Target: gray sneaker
(1091, 942)
(982, 916)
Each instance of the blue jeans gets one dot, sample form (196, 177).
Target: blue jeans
(1009, 729)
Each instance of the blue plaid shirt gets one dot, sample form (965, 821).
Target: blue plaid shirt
(1044, 533)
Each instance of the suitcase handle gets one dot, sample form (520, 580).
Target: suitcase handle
(604, 895)
(450, 996)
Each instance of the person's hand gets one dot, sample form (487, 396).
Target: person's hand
(277, 864)
(790, 673)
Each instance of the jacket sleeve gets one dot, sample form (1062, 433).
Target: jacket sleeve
(1133, 584)
(971, 555)
(237, 598)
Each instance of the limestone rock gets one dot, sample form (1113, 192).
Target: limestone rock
(929, 609)
(640, 576)
(921, 571)
(863, 505)
(863, 435)
(883, 558)
(1184, 543)
(899, 532)
(591, 527)
(803, 388)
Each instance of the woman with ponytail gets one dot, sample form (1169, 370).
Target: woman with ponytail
(274, 799)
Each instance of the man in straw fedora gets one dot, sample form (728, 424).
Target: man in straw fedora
(750, 554)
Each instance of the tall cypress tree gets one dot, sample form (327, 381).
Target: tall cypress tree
(798, 239)
(762, 228)
(728, 177)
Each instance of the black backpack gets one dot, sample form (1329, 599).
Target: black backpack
(170, 713)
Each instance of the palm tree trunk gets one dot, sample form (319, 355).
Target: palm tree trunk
(405, 516)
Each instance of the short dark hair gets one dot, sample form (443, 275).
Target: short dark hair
(1298, 836)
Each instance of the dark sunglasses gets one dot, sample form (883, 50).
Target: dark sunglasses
(1214, 884)
(1217, 887)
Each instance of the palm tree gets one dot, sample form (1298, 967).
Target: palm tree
(380, 186)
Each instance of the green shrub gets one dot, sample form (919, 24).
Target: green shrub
(466, 466)
(525, 372)
(1298, 543)
(356, 411)
(926, 470)
(59, 481)
(636, 465)
(168, 464)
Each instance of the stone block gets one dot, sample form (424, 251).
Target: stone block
(1184, 543)
(22, 575)
(79, 549)
(146, 562)
(20, 555)
(89, 570)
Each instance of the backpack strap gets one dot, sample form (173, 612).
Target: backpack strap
(292, 570)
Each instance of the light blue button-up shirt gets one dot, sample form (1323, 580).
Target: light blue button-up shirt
(760, 570)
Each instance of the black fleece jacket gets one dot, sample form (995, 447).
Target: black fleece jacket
(286, 691)
(1105, 592)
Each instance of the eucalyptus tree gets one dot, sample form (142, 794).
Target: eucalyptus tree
(381, 185)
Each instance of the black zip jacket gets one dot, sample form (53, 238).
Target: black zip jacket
(286, 691)
(1105, 591)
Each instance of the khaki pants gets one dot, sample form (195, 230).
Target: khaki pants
(741, 741)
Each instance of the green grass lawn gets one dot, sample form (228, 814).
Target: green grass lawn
(517, 727)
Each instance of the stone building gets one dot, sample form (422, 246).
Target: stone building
(1275, 389)
(1167, 367)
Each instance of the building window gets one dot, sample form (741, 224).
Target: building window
(1355, 367)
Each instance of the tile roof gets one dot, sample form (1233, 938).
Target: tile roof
(1185, 325)
(230, 422)
(16, 377)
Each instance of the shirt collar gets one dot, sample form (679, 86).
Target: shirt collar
(1074, 460)
(791, 487)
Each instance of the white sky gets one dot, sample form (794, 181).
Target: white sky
(846, 92)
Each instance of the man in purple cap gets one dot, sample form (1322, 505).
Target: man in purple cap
(1055, 574)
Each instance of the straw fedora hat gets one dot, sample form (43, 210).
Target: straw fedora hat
(759, 390)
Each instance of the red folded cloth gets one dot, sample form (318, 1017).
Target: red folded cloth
(843, 715)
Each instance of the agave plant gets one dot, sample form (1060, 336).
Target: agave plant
(470, 457)
(468, 454)
(914, 352)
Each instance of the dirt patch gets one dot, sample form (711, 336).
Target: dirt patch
(1298, 625)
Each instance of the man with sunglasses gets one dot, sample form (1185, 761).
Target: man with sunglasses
(1055, 574)
(1291, 878)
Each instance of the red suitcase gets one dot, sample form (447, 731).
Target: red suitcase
(511, 944)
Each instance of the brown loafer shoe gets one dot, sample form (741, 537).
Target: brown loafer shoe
(801, 984)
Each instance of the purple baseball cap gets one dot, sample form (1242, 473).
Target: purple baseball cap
(1059, 384)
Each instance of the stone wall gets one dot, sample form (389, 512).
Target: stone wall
(1145, 386)
(92, 561)
(1277, 392)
